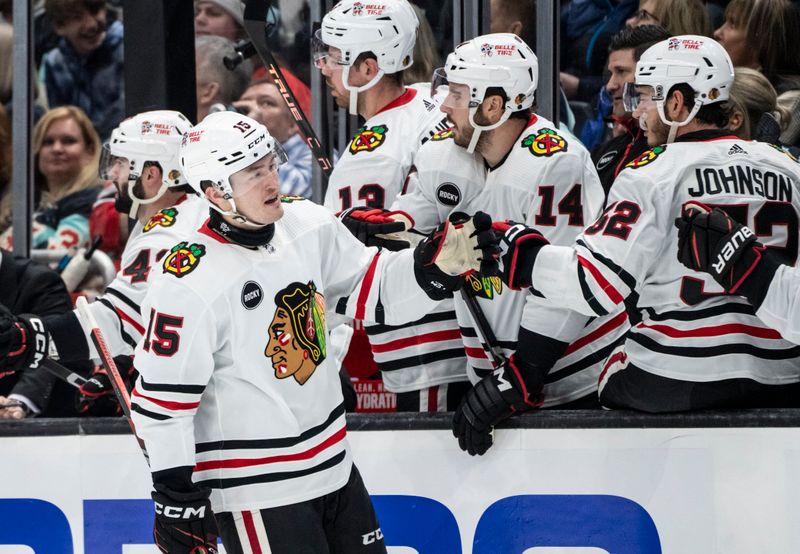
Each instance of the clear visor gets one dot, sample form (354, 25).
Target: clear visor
(450, 95)
(114, 168)
(261, 173)
(324, 55)
(634, 96)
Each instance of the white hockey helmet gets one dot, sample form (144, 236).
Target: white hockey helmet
(147, 137)
(496, 60)
(385, 28)
(219, 146)
(698, 61)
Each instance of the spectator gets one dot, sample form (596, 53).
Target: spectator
(263, 102)
(755, 113)
(86, 68)
(678, 17)
(222, 18)
(5, 161)
(215, 83)
(26, 287)
(629, 141)
(426, 57)
(66, 157)
(732, 35)
(773, 30)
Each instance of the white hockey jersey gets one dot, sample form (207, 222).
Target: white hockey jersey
(780, 308)
(690, 330)
(373, 169)
(546, 181)
(117, 311)
(234, 375)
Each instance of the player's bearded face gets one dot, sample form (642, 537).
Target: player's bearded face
(647, 114)
(256, 191)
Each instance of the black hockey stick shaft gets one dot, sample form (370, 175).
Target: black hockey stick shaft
(482, 327)
(70, 377)
(255, 20)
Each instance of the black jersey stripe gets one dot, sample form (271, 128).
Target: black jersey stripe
(147, 413)
(711, 351)
(587, 293)
(430, 318)
(583, 363)
(114, 292)
(413, 361)
(282, 442)
(470, 333)
(695, 315)
(164, 387)
(626, 277)
(122, 333)
(272, 477)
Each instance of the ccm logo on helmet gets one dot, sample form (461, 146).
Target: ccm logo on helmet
(256, 141)
(176, 512)
(729, 249)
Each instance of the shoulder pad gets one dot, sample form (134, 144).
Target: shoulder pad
(183, 258)
(368, 139)
(646, 157)
(544, 142)
(164, 218)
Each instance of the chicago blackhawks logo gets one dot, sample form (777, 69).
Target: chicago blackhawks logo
(290, 199)
(646, 157)
(486, 49)
(164, 218)
(296, 343)
(182, 259)
(546, 143)
(368, 140)
(484, 287)
(443, 135)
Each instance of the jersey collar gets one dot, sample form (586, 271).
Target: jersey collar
(707, 135)
(401, 100)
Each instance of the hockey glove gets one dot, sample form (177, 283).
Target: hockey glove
(377, 227)
(24, 341)
(712, 242)
(493, 399)
(455, 248)
(519, 246)
(184, 522)
(97, 397)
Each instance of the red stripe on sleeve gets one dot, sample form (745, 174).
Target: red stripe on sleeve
(474, 352)
(714, 331)
(601, 331)
(366, 285)
(436, 336)
(125, 317)
(612, 293)
(170, 405)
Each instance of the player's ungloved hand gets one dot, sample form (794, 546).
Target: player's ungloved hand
(23, 341)
(455, 248)
(712, 242)
(519, 246)
(377, 227)
(184, 522)
(493, 399)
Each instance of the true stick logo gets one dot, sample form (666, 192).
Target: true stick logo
(729, 249)
(251, 295)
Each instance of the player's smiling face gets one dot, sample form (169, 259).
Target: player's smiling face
(456, 107)
(256, 191)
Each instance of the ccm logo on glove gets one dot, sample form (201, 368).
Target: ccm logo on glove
(180, 512)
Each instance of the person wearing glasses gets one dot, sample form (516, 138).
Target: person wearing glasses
(678, 17)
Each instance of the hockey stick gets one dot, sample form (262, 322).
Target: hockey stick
(107, 359)
(482, 328)
(256, 24)
(70, 377)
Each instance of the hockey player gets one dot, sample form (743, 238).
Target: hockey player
(695, 347)
(142, 161)
(713, 242)
(362, 50)
(235, 392)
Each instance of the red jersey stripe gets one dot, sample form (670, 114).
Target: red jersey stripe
(714, 331)
(125, 317)
(436, 336)
(366, 285)
(601, 331)
(612, 293)
(168, 404)
(250, 527)
(474, 352)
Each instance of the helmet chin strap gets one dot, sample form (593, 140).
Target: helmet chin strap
(674, 125)
(355, 90)
(477, 129)
(236, 216)
(136, 201)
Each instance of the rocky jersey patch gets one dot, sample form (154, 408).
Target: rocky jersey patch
(545, 143)
(183, 259)
(646, 157)
(164, 218)
(368, 139)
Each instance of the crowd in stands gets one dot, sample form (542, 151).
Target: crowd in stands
(80, 99)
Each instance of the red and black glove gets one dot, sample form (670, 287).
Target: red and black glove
(184, 522)
(366, 223)
(24, 341)
(97, 397)
(712, 242)
(519, 246)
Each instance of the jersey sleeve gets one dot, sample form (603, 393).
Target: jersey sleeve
(419, 202)
(611, 257)
(780, 308)
(175, 363)
(369, 284)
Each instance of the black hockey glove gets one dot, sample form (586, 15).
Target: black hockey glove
(493, 399)
(377, 227)
(712, 242)
(519, 246)
(24, 341)
(454, 249)
(97, 397)
(184, 522)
